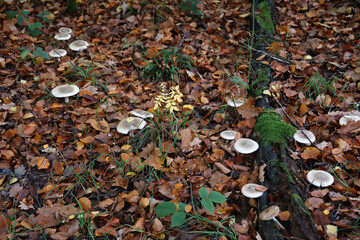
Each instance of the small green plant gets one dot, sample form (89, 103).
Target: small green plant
(190, 6)
(33, 27)
(86, 73)
(208, 199)
(178, 211)
(167, 64)
(39, 52)
(317, 85)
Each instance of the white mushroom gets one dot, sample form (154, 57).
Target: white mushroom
(249, 190)
(228, 134)
(78, 45)
(65, 91)
(142, 114)
(303, 136)
(129, 124)
(65, 30)
(246, 145)
(236, 102)
(57, 53)
(271, 213)
(62, 36)
(344, 120)
(320, 178)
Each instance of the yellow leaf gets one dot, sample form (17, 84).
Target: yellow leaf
(43, 163)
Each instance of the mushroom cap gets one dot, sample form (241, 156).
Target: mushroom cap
(344, 120)
(228, 134)
(142, 114)
(320, 178)
(62, 36)
(300, 137)
(246, 145)
(78, 45)
(57, 53)
(236, 102)
(65, 30)
(249, 190)
(65, 91)
(130, 123)
(269, 213)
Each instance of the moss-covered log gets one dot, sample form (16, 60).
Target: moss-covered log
(281, 173)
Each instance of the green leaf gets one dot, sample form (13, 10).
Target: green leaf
(182, 206)
(217, 197)
(24, 53)
(208, 204)
(203, 192)
(11, 14)
(44, 55)
(35, 33)
(20, 19)
(177, 219)
(38, 25)
(25, 12)
(164, 209)
(32, 27)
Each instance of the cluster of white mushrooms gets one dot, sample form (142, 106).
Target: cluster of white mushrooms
(132, 123)
(66, 91)
(318, 178)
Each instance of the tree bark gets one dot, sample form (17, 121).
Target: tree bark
(281, 172)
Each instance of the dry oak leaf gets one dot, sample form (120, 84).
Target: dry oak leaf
(102, 125)
(310, 153)
(154, 159)
(85, 204)
(43, 163)
(157, 226)
(313, 203)
(249, 111)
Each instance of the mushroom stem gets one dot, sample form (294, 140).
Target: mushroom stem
(278, 223)
(66, 99)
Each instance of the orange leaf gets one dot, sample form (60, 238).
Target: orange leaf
(100, 125)
(157, 226)
(106, 230)
(249, 110)
(43, 163)
(30, 128)
(87, 140)
(303, 109)
(154, 160)
(284, 216)
(58, 167)
(261, 188)
(85, 204)
(7, 153)
(310, 153)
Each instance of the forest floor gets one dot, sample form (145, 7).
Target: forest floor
(67, 173)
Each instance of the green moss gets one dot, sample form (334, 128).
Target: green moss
(71, 6)
(287, 171)
(272, 129)
(301, 206)
(264, 18)
(260, 76)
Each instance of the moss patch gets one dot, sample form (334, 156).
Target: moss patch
(264, 18)
(261, 76)
(272, 129)
(289, 175)
(301, 206)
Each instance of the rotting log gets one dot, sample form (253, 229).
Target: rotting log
(281, 172)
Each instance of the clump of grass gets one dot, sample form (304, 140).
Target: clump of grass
(168, 64)
(317, 85)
